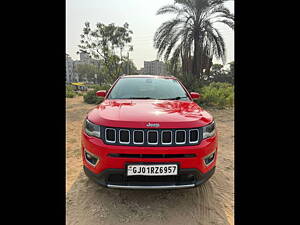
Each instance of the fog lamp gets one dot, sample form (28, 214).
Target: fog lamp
(209, 159)
(91, 158)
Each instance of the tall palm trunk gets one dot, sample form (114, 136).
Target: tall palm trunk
(182, 62)
(196, 59)
(208, 66)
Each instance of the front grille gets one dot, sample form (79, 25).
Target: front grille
(151, 137)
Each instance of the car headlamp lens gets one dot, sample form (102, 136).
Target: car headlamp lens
(92, 129)
(209, 130)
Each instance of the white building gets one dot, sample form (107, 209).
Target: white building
(70, 75)
(86, 59)
(155, 67)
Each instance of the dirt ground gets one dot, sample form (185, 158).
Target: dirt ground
(89, 204)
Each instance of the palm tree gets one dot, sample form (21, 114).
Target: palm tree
(191, 36)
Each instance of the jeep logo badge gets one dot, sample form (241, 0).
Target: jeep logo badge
(152, 125)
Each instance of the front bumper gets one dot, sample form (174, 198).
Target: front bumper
(116, 178)
(110, 169)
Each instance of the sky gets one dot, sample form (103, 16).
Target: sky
(141, 17)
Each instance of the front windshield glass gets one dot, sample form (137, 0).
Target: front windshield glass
(148, 88)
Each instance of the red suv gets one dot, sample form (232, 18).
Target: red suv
(148, 133)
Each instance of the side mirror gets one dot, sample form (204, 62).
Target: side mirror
(195, 95)
(101, 93)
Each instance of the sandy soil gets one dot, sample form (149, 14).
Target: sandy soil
(76, 110)
(89, 204)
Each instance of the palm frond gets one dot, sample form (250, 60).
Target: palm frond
(227, 22)
(168, 9)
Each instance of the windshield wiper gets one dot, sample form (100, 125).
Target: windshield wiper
(140, 98)
(176, 98)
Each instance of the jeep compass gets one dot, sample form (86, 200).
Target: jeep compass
(148, 133)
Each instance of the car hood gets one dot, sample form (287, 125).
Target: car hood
(138, 113)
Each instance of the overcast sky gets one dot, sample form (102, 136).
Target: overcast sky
(139, 14)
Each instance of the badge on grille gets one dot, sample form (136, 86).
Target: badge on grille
(152, 125)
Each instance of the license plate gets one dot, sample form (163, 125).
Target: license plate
(152, 170)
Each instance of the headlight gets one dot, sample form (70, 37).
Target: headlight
(209, 130)
(91, 129)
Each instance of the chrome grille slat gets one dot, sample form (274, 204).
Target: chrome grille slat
(162, 141)
(152, 131)
(182, 142)
(110, 141)
(193, 142)
(138, 143)
(128, 136)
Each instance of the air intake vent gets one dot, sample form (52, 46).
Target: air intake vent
(180, 136)
(124, 136)
(153, 137)
(194, 135)
(138, 137)
(117, 155)
(166, 137)
(110, 135)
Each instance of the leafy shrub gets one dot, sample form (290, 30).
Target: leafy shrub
(216, 94)
(189, 81)
(69, 88)
(91, 98)
(70, 94)
(92, 86)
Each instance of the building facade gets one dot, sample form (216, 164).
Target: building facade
(70, 74)
(86, 59)
(155, 67)
(71, 65)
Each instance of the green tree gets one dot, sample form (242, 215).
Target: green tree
(108, 43)
(86, 72)
(192, 36)
(128, 67)
(231, 69)
(220, 74)
(173, 68)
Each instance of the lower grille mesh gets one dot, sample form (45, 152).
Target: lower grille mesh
(117, 155)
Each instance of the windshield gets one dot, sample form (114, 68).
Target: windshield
(148, 88)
